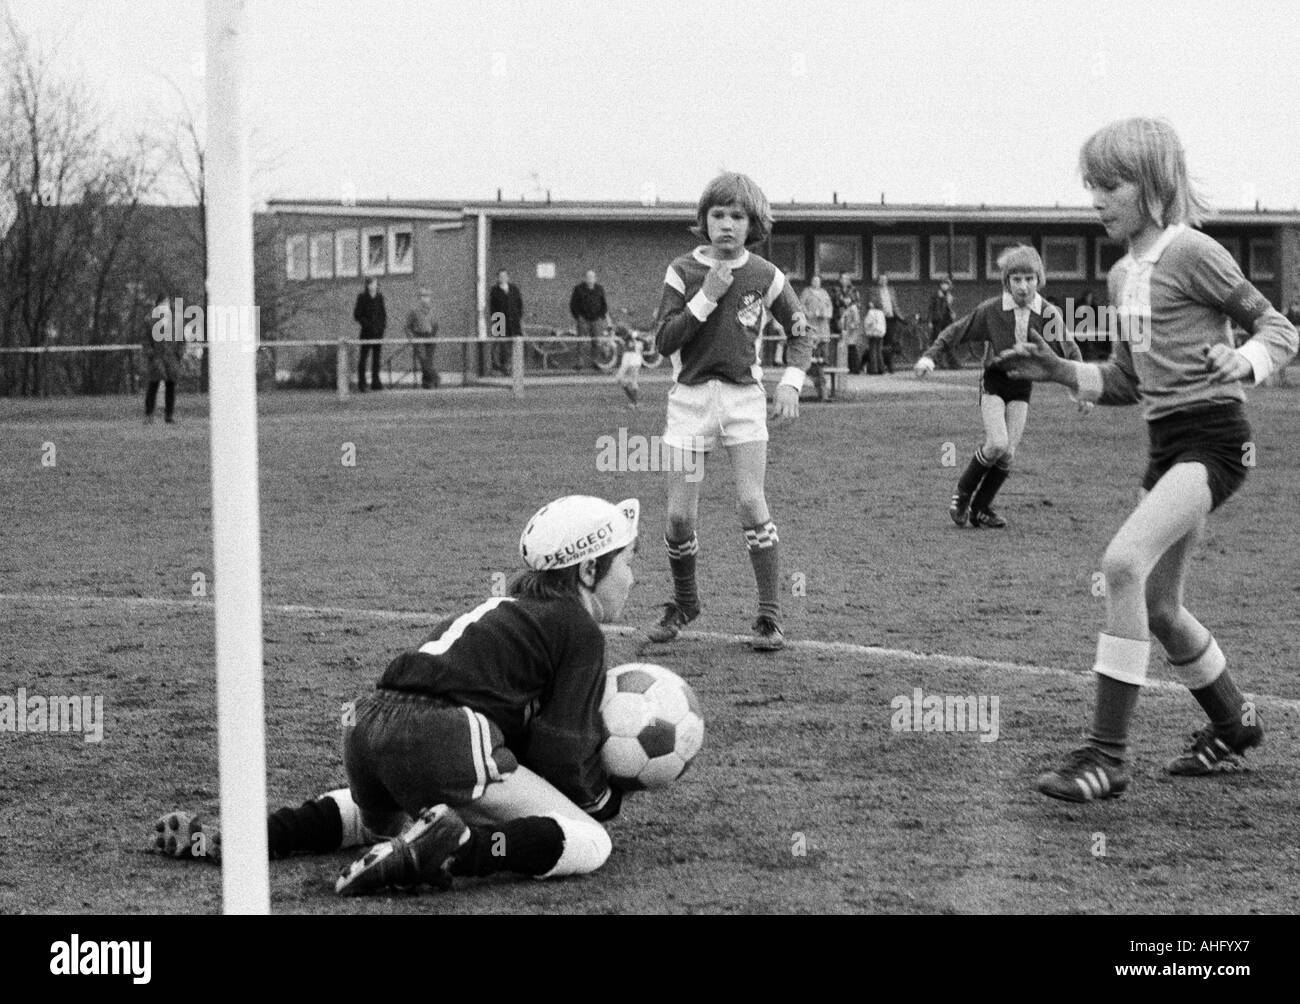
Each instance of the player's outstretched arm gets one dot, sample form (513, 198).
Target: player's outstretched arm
(951, 336)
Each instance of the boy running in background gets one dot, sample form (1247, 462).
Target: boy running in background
(629, 365)
(1019, 315)
(1178, 292)
(714, 310)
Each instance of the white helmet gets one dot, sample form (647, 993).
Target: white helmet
(575, 528)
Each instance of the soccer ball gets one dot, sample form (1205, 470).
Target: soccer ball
(654, 724)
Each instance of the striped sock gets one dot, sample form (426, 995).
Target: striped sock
(974, 473)
(762, 542)
(681, 559)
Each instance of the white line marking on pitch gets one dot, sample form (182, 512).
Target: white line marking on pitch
(628, 631)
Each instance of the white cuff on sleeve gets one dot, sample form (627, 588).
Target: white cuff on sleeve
(1089, 377)
(701, 306)
(792, 377)
(1260, 360)
(925, 363)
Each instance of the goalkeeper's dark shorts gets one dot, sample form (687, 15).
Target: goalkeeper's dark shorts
(406, 751)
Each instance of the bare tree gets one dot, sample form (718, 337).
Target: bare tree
(74, 204)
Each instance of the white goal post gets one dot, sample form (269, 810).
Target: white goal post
(236, 518)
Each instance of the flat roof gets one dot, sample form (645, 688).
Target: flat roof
(791, 212)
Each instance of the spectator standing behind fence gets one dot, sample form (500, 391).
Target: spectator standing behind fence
(164, 347)
(841, 296)
(590, 313)
(420, 323)
(885, 299)
(873, 337)
(370, 314)
(817, 308)
(505, 318)
(941, 316)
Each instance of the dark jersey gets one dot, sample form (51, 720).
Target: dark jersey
(536, 669)
(994, 323)
(721, 341)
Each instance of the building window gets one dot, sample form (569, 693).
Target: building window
(373, 250)
(896, 257)
(1107, 253)
(1263, 260)
(1065, 257)
(837, 255)
(322, 256)
(993, 248)
(787, 255)
(963, 257)
(346, 244)
(401, 250)
(295, 256)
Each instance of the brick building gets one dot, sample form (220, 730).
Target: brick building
(456, 247)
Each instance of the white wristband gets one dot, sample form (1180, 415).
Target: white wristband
(1088, 376)
(1260, 361)
(792, 377)
(701, 306)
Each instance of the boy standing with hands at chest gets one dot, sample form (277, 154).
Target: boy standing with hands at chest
(715, 306)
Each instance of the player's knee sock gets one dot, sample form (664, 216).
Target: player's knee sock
(1121, 668)
(315, 827)
(763, 542)
(988, 489)
(531, 845)
(681, 559)
(1206, 676)
(974, 473)
(630, 392)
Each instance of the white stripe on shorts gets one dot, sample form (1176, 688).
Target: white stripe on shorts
(476, 754)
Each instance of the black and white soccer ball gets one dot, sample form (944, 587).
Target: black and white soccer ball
(654, 724)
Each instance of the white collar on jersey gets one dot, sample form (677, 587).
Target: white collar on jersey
(705, 259)
(1152, 254)
(1036, 305)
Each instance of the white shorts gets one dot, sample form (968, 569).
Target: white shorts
(701, 415)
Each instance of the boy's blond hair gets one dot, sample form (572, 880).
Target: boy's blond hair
(729, 187)
(1148, 153)
(1021, 258)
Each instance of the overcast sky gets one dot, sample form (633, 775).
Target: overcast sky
(964, 102)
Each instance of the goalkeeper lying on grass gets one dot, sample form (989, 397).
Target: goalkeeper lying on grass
(479, 751)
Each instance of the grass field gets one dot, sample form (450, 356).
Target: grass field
(803, 799)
